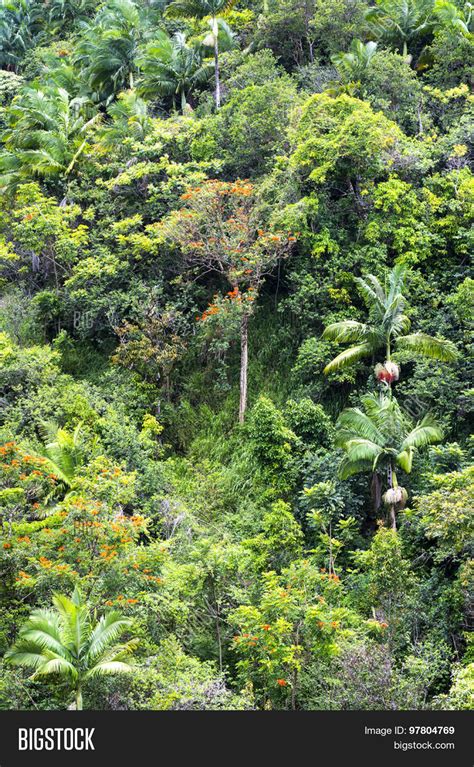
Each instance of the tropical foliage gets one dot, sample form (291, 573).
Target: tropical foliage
(235, 354)
(63, 641)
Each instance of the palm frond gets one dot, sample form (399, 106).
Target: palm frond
(347, 467)
(347, 357)
(425, 433)
(346, 331)
(353, 423)
(362, 450)
(110, 627)
(373, 293)
(429, 346)
(56, 665)
(109, 667)
(405, 459)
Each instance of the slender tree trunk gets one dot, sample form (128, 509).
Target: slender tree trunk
(183, 101)
(219, 639)
(392, 482)
(393, 517)
(215, 32)
(294, 683)
(79, 698)
(331, 560)
(376, 491)
(293, 690)
(244, 357)
(388, 353)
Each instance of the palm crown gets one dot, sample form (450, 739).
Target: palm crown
(200, 9)
(379, 438)
(401, 22)
(388, 324)
(46, 135)
(65, 641)
(354, 63)
(171, 67)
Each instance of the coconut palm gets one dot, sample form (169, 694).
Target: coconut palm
(47, 133)
(171, 67)
(66, 641)
(401, 23)
(200, 9)
(353, 64)
(378, 439)
(388, 325)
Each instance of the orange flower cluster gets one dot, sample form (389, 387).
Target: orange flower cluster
(213, 309)
(242, 188)
(120, 599)
(330, 576)
(108, 553)
(23, 576)
(4, 449)
(282, 683)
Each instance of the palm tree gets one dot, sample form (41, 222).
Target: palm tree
(21, 28)
(130, 120)
(67, 13)
(353, 64)
(47, 133)
(63, 451)
(401, 22)
(200, 9)
(65, 641)
(171, 67)
(109, 46)
(379, 439)
(387, 325)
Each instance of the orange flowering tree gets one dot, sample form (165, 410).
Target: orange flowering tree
(217, 230)
(301, 614)
(26, 484)
(87, 537)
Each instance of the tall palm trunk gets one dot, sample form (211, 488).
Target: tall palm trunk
(78, 698)
(392, 483)
(244, 353)
(215, 34)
